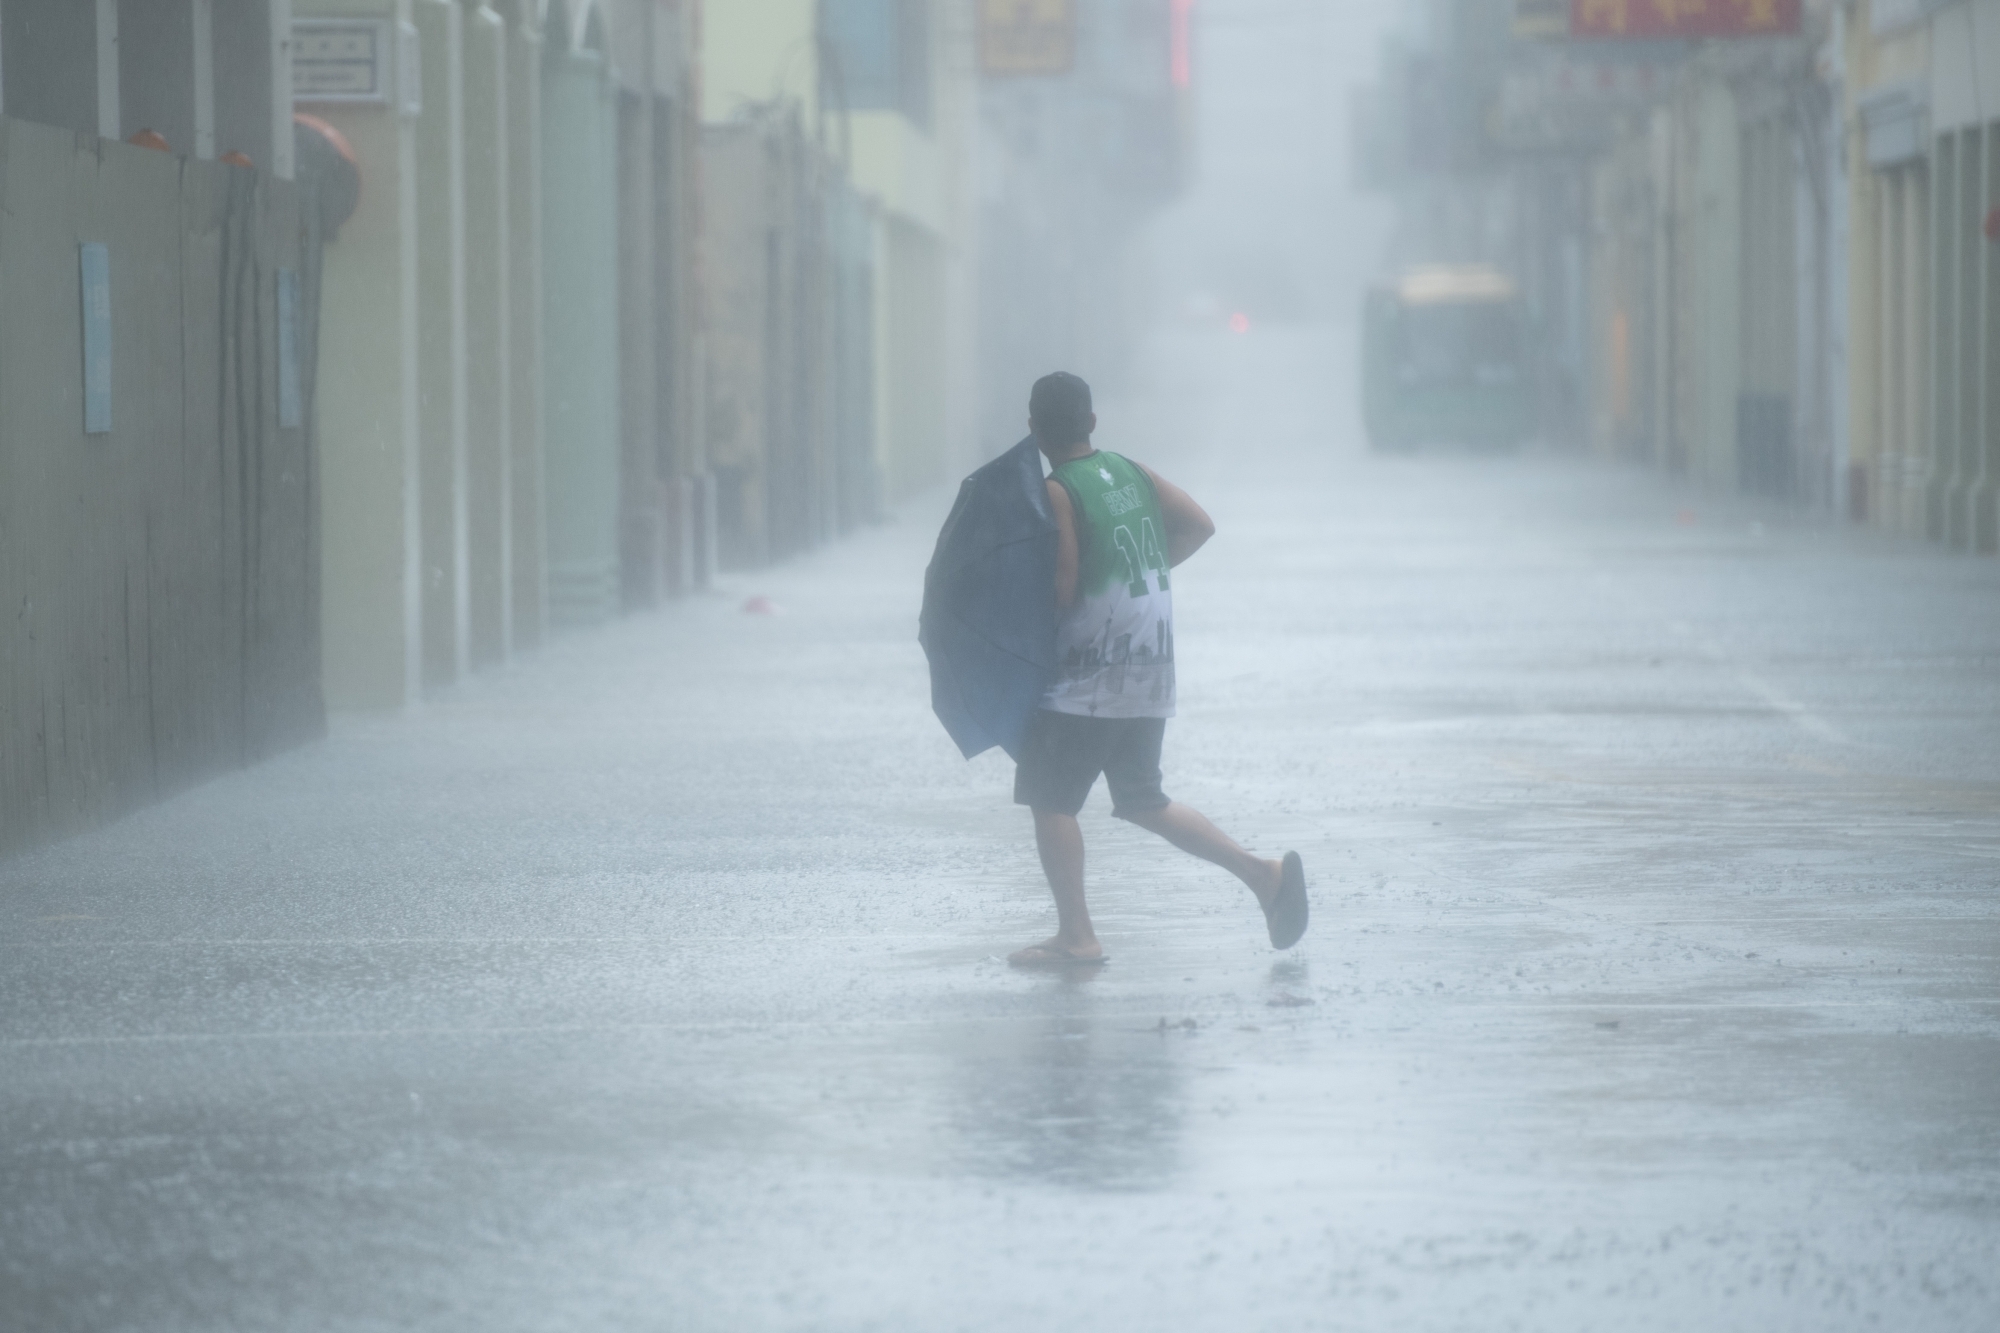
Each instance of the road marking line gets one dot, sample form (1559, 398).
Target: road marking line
(1801, 716)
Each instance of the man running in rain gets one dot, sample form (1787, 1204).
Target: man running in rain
(1119, 529)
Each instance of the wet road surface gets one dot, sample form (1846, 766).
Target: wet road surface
(654, 982)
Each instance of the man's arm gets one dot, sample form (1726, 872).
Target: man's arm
(1066, 558)
(1188, 524)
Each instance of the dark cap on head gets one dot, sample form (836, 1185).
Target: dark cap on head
(1059, 409)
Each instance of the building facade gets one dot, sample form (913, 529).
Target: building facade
(532, 313)
(1783, 240)
(159, 537)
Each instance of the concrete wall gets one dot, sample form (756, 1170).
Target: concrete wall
(918, 446)
(441, 343)
(1627, 197)
(369, 405)
(527, 524)
(580, 286)
(658, 146)
(746, 202)
(878, 197)
(508, 421)
(489, 333)
(160, 579)
(1708, 267)
(1889, 285)
(202, 73)
(52, 64)
(1962, 482)
(1695, 282)
(1964, 471)
(793, 328)
(1767, 458)
(757, 51)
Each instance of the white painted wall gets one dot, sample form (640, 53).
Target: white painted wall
(1965, 65)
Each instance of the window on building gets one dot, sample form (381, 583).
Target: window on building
(875, 56)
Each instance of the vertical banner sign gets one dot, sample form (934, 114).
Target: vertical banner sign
(1018, 37)
(291, 413)
(94, 265)
(1683, 18)
(1180, 43)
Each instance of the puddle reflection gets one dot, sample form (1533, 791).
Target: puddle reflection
(1291, 972)
(1071, 1096)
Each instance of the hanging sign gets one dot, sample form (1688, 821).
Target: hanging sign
(1683, 18)
(94, 266)
(291, 410)
(340, 60)
(1027, 36)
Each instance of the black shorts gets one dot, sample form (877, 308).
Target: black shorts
(1064, 753)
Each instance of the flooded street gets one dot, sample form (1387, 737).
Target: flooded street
(655, 981)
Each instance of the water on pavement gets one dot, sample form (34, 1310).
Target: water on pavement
(654, 981)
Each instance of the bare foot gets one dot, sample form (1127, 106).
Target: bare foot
(1058, 952)
(1274, 875)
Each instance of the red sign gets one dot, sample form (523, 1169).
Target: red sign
(1683, 18)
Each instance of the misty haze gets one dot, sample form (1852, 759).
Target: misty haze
(999, 665)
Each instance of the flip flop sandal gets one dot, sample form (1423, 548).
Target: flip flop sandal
(1289, 911)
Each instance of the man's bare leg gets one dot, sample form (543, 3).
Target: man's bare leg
(1059, 839)
(1189, 830)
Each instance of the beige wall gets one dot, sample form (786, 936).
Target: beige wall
(161, 578)
(368, 412)
(918, 182)
(1889, 292)
(757, 51)
(913, 359)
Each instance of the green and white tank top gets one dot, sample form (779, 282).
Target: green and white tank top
(1115, 646)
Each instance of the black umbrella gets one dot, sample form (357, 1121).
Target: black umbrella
(989, 618)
